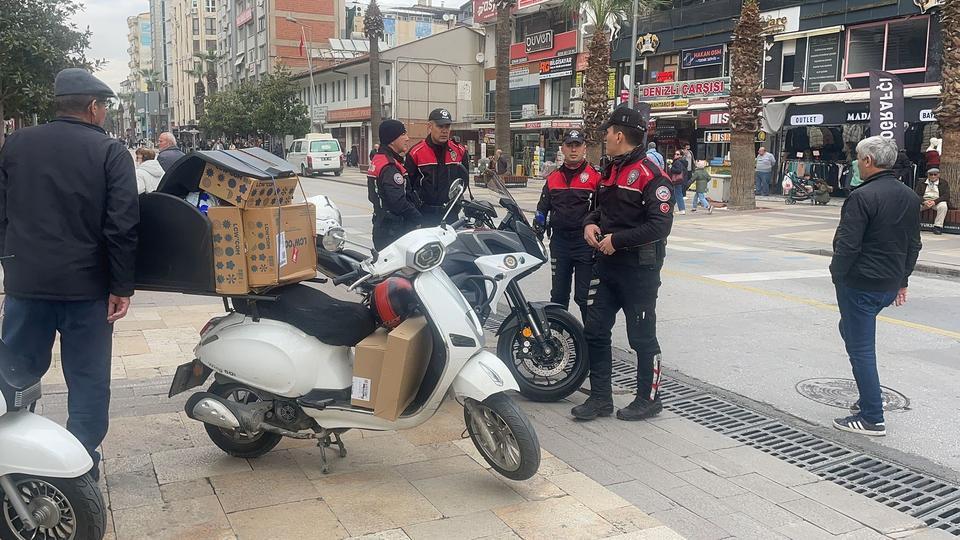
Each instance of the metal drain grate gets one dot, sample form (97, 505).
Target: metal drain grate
(673, 390)
(793, 446)
(946, 518)
(716, 414)
(891, 484)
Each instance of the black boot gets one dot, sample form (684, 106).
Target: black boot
(592, 408)
(640, 409)
(938, 230)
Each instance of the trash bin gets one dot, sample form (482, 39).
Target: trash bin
(718, 188)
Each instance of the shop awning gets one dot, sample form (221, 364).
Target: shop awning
(671, 114)
(708, 106)
(343, 124)
(862, 95)
(808, 33)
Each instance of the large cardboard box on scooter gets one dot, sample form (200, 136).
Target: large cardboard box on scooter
(245, 192)
(388, 368)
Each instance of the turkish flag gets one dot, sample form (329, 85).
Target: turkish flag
(301, 45)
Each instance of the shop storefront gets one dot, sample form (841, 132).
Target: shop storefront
(675, 121)
(351, 127)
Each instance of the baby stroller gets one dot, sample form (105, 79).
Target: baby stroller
(797, 190)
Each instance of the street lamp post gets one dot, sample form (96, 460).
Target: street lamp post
(313, 88)
(633, 54)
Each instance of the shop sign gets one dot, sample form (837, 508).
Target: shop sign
(578, 80)
(523, 4)
(554, 124)
(666, 76)
(886, 106)
(780, 21)
(582, 61)
(858, 116)
(761, 136)
(539, 41)
(686, 89)
(823, 60)
(611, 84)
(669, 104)
(703, 56)
(484, 11)
(556, 67)
(518, 76)
(927, 115)
(806, 120)
(713, 118)
(927, 5)
(648, 43)
(561, 45)
(244, 17)
(716, 137)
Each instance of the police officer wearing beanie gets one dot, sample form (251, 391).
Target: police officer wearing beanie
(394, 205)
(434, 163)
(567, 198)
(68, 217)
(629, 229)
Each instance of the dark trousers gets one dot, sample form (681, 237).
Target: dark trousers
(29, 328)
(858, 328)
(571, 259)
(634, 290)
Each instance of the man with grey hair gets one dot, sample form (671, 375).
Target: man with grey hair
(655, 156)
(169, 153)
(875, 250)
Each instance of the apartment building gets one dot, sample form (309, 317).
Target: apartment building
(139, 50)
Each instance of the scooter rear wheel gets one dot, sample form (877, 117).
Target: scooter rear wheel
(502, 433)
(70, 508)
(237, 443)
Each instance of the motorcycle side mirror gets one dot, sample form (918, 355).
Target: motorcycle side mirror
(456, 191)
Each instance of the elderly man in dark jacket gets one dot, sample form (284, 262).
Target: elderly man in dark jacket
(68, 235)
(874, 252)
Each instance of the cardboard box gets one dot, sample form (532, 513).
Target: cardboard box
(230, 268)
(367, 365)
(246, 192)
(280, 243)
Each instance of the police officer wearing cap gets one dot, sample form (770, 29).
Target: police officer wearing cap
(567, 198)
(629, 229)
(68, 217)
(388, 188)
(434, 163)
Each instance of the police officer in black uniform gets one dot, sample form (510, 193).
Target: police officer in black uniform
(567, 198)
(388, 188)
(434, 163)
(629, 228)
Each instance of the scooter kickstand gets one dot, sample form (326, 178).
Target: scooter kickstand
(323, 444)
(339, 441)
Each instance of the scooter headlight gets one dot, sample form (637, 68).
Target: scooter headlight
(333, 240)
(428, 256)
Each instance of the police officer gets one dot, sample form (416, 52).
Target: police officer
(388, 189)
(568, 196)
(629, 228)
(434, 163)
(68, 228)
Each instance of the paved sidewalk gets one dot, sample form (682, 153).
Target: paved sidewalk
(605, 479)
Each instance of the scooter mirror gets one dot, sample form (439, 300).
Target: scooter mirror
(455, 189)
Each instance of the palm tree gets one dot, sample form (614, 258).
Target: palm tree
(603, 15)
(504, 35)
(209, 60)
(746, 56)
(200, 93)
(152, 78)
(373, 29)
(948, 113)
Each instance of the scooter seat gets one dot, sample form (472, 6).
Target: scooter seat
(334, 322)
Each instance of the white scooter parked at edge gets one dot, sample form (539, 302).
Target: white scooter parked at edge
(46, 491)
(274, 380)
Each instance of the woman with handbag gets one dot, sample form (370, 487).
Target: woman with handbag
(678, 177)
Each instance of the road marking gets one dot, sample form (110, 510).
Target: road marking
(770, 276)
(722, 245)
(682, 248)
(809, 302)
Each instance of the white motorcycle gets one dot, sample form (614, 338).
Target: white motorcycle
(274, 380)
(46, 491)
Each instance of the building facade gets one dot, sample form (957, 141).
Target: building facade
(403, 24)
(158, 32)
(192, 26)
(139, 51)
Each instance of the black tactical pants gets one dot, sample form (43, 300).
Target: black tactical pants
(571, 260)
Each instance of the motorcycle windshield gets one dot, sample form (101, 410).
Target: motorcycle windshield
(495, 184)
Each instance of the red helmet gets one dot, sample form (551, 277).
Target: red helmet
(393, 301)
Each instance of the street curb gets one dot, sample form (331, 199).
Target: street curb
(920, 267)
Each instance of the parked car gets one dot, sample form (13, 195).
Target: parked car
(316, 153)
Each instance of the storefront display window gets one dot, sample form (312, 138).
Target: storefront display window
(657, 64)
(560, 96)
(896, 46)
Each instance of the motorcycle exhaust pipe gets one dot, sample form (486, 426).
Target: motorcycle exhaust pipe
(214, 410)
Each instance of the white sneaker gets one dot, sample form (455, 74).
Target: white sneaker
(683, 212)
(709, 209)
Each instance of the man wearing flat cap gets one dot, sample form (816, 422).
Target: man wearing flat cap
(629, 229)
(935, 195)
(434, 163)
(388, 188)
(68, 217)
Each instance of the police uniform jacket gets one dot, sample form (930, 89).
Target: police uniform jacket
(389, 190)
(568, 196)
(432, 168)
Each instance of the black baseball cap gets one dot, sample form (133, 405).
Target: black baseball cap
(574, 136)
(441, 117)
(625, 116)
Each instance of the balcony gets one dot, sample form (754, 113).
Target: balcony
(690, 12)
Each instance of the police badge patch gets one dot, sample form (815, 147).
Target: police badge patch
(398, 179)
(634, 174)
(663, 193)
(584, 177)
(665, 208)
(453, 155)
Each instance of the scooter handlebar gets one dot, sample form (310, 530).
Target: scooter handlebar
(346, 278)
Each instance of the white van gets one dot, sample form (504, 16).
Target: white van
(316, 153)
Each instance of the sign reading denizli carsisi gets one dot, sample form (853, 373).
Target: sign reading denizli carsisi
(686, 89)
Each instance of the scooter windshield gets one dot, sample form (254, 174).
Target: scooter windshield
(495, 184)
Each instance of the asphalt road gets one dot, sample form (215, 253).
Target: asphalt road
(743, 308)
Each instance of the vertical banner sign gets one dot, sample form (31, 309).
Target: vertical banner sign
(644, 110)
(886, 106)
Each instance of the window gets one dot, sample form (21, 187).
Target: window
(211, 45)
(789, 64)
(560, 95)
(386, 78)
(663, 63)
(210, 6)
(356, 87)
(262, 23)
(210, 25)
(896, 46)
(263, 52)
(324, 146)
(366, 86)
(196, 45)
(196, 26)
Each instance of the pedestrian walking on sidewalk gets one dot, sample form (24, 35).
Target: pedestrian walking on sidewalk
(678, 177)
(629, 228)
(764, 172)
(68, 226)
(700, 180)
(875, 249)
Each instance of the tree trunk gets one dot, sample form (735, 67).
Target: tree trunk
(376, 98)
(950, 165)
(595, 110)
(948, 113)
(742, 170)
(504, 33)
(3, 125)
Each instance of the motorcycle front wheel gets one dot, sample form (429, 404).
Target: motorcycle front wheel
(544, 377)
(503, 435)
(65, 508)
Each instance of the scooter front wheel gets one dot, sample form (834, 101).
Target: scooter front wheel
(502, 433)
(67, 508)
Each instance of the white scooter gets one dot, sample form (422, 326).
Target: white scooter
(272, 379)
(46, 491)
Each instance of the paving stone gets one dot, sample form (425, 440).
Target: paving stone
(762, 510)
(467, 527)
(931, 534)
(695, 433)
(589, 492)
(256, 489)
(440, 450)
(464, 493)
(779, 471)
(132, 489)
(744, 527)
(630, 518)
(642, 496)
(766, 488)
(437, 467)
(551, 519)
(668, 460)
(675, 443)
(718, 465)
(443, 427)
(188, 489)
(470, 449)
(656, 533)
(711, 483)
(865, 533)
(133, 344)
(289, 521)
(145, 435)
(536, 488)
(867, 511)
(690, 525)
(374, 452)
(698, 501)
(392, 534)
(653, 475)
(822, 516)
(562, 447)
(599, 469)
(195, 518)
(553, 466)
(194, 463)
(804, 531)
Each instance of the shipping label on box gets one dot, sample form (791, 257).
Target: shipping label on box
(281, 244)
(230, 269)
(245, 192)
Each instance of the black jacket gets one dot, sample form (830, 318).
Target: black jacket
(878, 240)
(568, 196)
(389, 190)
(168, 156)
(68, 213)
(432, 168)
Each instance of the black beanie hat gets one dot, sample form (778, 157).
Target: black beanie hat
(390, 130)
